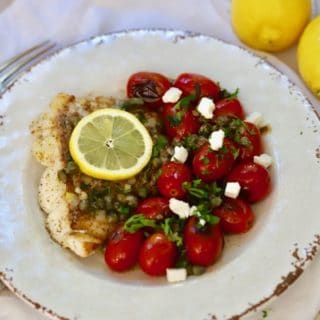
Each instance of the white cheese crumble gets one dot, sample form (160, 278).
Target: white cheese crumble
(180, 154)
(232, 190)
(257, 119)
(216, 140)
(172, 95)
(176, 274)
(264, 160)
(206, 107)
(180, 208)
(202, 222)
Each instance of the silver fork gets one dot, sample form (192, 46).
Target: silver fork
(12, 68)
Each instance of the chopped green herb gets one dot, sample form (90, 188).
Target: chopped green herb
(171, 228)
(176, 119)
(204, 160)
(235, 152)
(229, 95)
(160, 143)
(204, 211)
(130, 102)
(124, 209)
(264, 314)
(185, 102)
(244, 141)
(138, 221)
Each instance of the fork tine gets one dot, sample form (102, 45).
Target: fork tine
(10, 62)
(21, 62)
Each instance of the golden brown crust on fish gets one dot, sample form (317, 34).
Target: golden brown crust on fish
(81, 232)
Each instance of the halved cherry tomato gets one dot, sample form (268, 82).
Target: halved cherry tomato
(150, 86)
(229, 107)
(179, 122)
(123, 249)
(170, 181)
(203, 246)
(188, 81)
(210, 165)
(157, 254)
(154, 208)
(253, 179)
(252, 144)
(235, 215)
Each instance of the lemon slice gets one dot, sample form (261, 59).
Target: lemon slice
(110, 144)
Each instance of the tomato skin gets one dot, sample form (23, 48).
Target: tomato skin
(203, 247)
(252, 133)
(187, 82)
(188, 124)
(150, 86)
(229, 107)
(235, 216)
(157, 254)
(154, 208)
(210, 165)
(253, 178)
(122, 249)
(170, 181)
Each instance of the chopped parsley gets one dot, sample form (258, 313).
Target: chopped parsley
(205, 160)
(172, 228)
(225, 94)
(160, 144)
(138, 221)
(176, 119)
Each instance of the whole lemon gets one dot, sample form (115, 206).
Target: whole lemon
(270, 25)
(309, 56)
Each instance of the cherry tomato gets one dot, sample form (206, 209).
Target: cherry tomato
(149, 86)
(170, 181)
(229, 107)
(122, 249)
(157, 254)
(179, 122)
(203, 246)
(210, 165)
(154, 208)
(253, 145)
(188, 81)
(235, 215)
(253, 178)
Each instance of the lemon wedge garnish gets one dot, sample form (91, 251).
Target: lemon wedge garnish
(110, 144)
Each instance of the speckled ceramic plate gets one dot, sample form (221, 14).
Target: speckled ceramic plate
(255, 267)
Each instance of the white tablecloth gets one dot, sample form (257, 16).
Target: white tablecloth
(27, 22)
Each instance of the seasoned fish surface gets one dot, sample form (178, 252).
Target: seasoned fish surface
(81, 232)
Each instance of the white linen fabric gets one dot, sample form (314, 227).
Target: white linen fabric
(24, 23)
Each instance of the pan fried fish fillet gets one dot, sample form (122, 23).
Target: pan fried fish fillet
(81, 232)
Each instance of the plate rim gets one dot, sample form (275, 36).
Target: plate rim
(301, 263)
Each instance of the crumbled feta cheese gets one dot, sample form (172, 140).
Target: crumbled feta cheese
(264, 160)
(176, 274)
(216, 139)
(206, 107)
(202, 222)
(180, 208)
(180, 154)
(172, 95)
(257, 119)
(232, 190)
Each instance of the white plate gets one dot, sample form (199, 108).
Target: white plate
(255, 267)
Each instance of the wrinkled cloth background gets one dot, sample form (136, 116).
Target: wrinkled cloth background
(24, 23)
